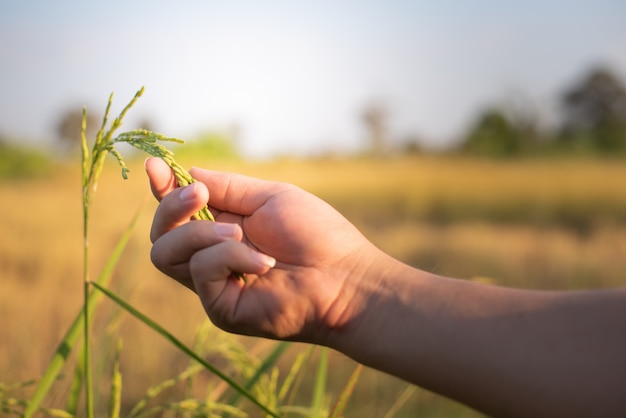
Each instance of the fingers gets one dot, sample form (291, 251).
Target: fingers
(204, 254)
(178, 207)
(233, 193)
(237, 193)
(162, 180)
(171, 252)
(211, 269)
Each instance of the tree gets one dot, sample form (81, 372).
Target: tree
(375, 120)
(493, 135)
(594, 110)
(69, 128)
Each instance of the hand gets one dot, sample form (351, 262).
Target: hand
(303, 260)
(312, 277)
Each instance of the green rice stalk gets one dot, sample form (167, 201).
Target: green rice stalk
(84, 147)
(105, 119)
(302, 411)
(197, 408)
(346, 393)
(270, 360)
(77, 383)
(91, 167)
(211, 341)
(89, 184)
(294, 371)
(59, 413)
(74, 331)
(319, 387)
(144, 140)
(115, 399)
(90, 175)
(4, 387)
(272, 389)
(150, 143)
(401, 401)
(190, 353)
(166, 384)
(13, 406)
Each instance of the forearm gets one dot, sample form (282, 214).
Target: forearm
(506, 352)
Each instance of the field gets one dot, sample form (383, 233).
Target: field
(539, 223)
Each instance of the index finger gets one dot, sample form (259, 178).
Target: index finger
(237, 193)
(162, 180)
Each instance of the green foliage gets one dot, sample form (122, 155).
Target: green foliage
(493, 135)
(19, 162)
(346, 392)
(593, 123)
(209, 146)
(318, 403)
(73, 333)
(180, 345)
(595, 113)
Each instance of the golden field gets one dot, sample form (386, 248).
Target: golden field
(542, 223)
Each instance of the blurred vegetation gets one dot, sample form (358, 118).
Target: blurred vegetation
(17, 162)
(533, 223)
(593, 122)
(209, 146)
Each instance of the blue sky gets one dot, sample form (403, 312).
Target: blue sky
(295, 76)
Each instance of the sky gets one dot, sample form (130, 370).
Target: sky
(294, 77)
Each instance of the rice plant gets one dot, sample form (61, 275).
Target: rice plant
(260, 378)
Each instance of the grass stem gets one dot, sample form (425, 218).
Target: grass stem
(188, 351)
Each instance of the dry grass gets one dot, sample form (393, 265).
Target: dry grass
(544, 224)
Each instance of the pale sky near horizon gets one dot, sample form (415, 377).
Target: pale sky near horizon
(295, 76)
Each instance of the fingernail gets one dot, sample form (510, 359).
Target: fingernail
(226, 229)
(265, 259)
(188, 192)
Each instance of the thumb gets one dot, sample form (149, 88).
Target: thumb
(177, 208)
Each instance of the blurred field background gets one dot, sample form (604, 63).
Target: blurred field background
(547, 223)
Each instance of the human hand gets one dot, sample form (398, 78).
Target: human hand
(303, 261)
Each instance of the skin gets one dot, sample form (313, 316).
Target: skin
(313, 277)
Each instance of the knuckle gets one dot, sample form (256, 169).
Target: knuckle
(157, 257)
(198, 234)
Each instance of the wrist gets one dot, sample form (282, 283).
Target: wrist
(370, 292)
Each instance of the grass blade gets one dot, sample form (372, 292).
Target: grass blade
(190, 353)
(74, 331)
(196, 409)
(88, 315)
(290, 381)
(156, 390)
(269, 361)
(346, 392)
(319, 388)
(401, 401)
(77, 384)
(115, 400)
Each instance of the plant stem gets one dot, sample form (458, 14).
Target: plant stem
(188, 351)
(86, 193)
(74, 331)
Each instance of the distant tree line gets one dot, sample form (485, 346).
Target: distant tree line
(593, 121)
